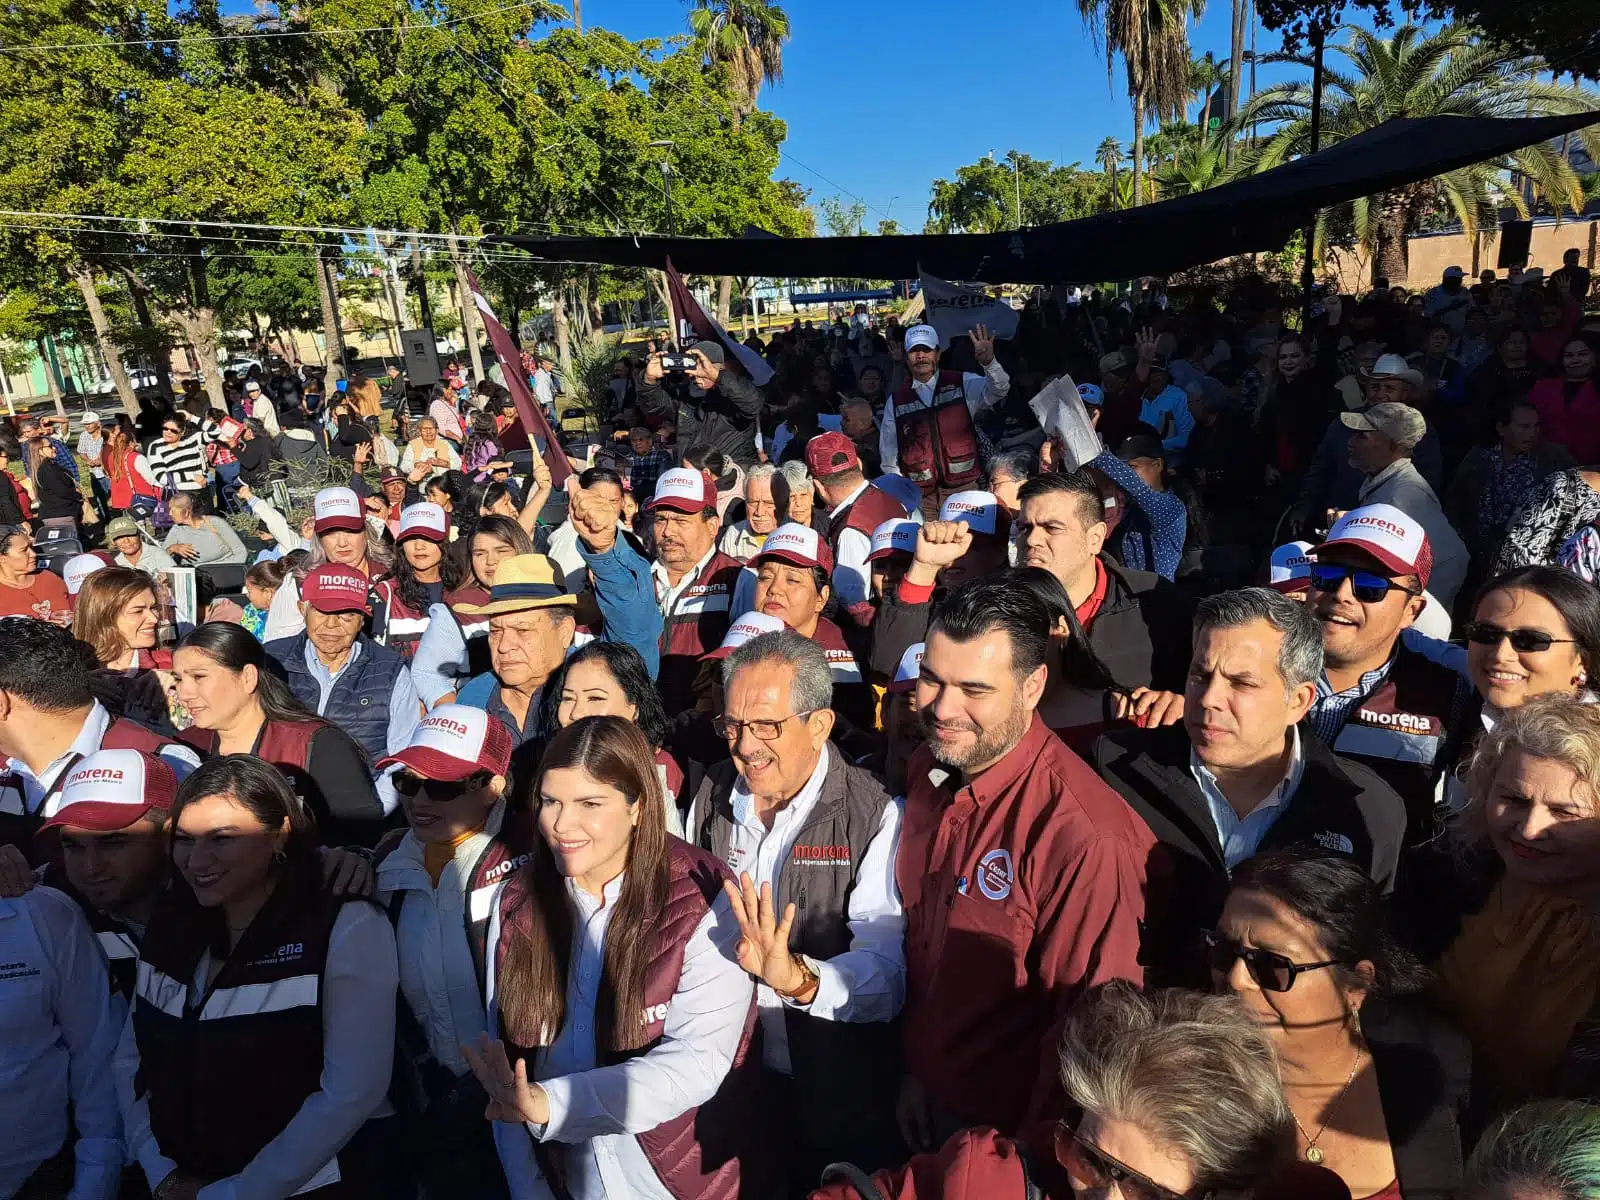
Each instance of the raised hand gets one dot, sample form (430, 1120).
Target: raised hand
(763, 948)
(982, 345)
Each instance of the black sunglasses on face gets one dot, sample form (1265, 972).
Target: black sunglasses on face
(1273, 972)
(1523, 641)
(1089, 1166)
(409, 785)
(1364, 585)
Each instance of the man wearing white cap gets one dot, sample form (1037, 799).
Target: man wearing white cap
(259, 407)
(928, 432)
(1383, 439)
(796, 822)
(91, 441)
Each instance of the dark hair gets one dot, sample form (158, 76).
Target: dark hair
(627, 667)
(1341, 902)
(1079, 485)
(1577, 600)
(452, 483)
(703, 457)
(259, 787)
(1507, 405)
(534, 970)
(997, 603)
(234, 648)
(269, 572)
(409, 588)
(596, 475)
(45, 664)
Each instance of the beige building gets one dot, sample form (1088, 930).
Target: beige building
(1430, 254)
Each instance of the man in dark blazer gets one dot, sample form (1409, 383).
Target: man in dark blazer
(1240, 776)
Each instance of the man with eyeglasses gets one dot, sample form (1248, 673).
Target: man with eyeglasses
(1379, 701)
(451, 780)
(1241, 776)
(811, 840)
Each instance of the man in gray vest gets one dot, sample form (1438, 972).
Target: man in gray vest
(812, 840)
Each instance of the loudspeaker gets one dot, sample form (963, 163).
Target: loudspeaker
(422, 356)
(1516, 237)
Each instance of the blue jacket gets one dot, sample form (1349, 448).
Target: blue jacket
(626, 594)
(360, 701)
(1168, 414)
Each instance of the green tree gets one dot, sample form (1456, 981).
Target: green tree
(746, 38)
(982, 198)
(1109, 155)
(1153, 39)
(1416, 74)
(842, 220)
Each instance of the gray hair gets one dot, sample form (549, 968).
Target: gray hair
(796, 476)
(1018, 464)
(759, 471)
(812, 689)
(1552, 1146)
(1300, 659)
(1192, 1071)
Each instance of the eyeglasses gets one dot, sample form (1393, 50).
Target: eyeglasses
(170, 429)
(408, 784)
(1364, 585)
(1091, 1167)
(1273, 972)
(1523, 641)
(764, 731)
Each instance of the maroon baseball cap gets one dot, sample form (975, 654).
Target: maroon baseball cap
(333, 588)
(831, 452)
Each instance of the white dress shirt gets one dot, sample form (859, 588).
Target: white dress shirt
(852, 573)
(59, 1023)
(1241, 837)
(667, 593)
(23, 792)
(868, 981)
(358, 1011)
(597, 1111)
(982, 391)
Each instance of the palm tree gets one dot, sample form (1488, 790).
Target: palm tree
(1193, 170)
(1414, 74)
(1109, 155)
(1204, 76)
(1153, 38)
(746, 36)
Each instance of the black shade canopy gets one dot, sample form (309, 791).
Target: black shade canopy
(1259, 212)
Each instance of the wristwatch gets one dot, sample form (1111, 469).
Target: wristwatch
(809, 983)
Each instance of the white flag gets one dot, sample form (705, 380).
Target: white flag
(954, 309)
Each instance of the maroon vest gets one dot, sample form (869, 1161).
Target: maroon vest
(402, 625)
(694, 626)
(938, 444)
(699, 1154)
(284, 744)
(1400, 731)
(866, 512)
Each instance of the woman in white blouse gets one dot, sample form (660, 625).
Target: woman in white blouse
(625, 1060)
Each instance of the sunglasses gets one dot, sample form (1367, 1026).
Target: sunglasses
(409, 785)
(1273, 972)
(1523, 641)
(1364, 585)
(1088, 1166)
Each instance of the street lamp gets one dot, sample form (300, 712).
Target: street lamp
(666, 184)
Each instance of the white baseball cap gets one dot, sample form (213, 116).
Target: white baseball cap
(1290, 570)
(685, 490)
(423, 520)
(897, 535)
(751, 625)
(91, 418)
(922, 335)
(796, 544)
(1388, 535)
(980, 510)
(250, 385)
(111, 789)
(453, 742)
(909, 670)
(907, 491)
(337, 508)
(79, 567)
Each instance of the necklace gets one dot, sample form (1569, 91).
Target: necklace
(1313, 1154)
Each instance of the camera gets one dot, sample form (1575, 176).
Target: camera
(678, 364)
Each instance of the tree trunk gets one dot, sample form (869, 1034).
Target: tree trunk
(52, 374)
(138, 294)
(724, 299)
(332, 351)
(102, 334)
(1392, 259)
(1235, 65)
(199, 325)
(469, 309)
(563, 334)
(577, 15)
(1138, 149)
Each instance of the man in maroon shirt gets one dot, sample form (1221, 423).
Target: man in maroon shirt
(1022, 874)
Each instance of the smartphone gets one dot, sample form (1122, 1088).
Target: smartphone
(678, 364)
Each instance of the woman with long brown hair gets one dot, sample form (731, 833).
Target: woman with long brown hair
(613, 981)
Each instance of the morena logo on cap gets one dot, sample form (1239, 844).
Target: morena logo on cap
(791, 539)
(895, 534)
(95, 775)
(980, 510)
(336, 502)
(447, 725)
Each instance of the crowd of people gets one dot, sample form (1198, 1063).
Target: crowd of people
(864, 783)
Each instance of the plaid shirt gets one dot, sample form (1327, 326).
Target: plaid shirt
(1330, 708)
(645, 469)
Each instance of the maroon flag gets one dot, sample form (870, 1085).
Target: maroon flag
(706, 329)
(533, 418)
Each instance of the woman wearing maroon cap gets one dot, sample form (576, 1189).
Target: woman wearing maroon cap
(423, 572)
(627, 1020)
(241, 706)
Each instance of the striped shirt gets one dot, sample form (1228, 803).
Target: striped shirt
(176, 465)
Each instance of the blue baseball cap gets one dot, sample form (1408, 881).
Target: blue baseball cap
(1091, 394)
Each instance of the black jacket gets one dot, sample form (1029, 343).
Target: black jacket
(10, 503)
(724, 417)
(58, 494)
(1424, 1078)
(1340, 806)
